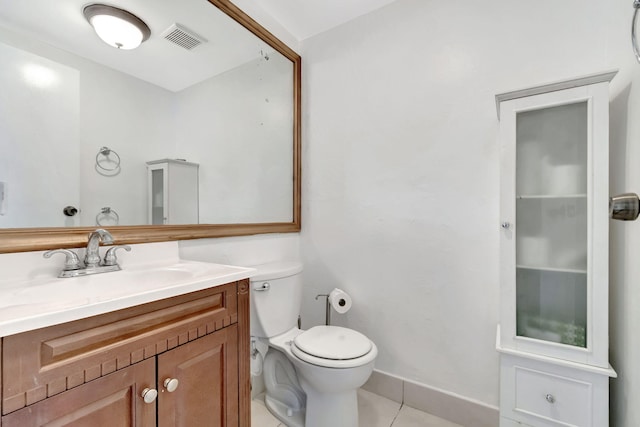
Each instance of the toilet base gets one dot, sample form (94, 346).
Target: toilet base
(331, 409)
(281, 412)
(328, 395)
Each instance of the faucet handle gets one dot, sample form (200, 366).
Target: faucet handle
(110, 257)
(72, 262)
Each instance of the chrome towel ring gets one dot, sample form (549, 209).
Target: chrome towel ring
(107, 216)
(104, 159)
(634, 40)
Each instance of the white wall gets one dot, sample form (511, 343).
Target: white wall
(39, 102)
(624, 236)
(243, 251)
(245, 150)
(132, 117)
(400, 182)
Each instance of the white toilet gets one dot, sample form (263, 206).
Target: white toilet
(311, 377)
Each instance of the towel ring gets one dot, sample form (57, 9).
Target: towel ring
(634, 40)
(103, 156)
(105, 214)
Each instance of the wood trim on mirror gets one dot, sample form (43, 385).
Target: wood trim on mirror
(35, 239)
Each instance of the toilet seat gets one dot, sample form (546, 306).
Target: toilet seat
(333, 347)
(333, 342)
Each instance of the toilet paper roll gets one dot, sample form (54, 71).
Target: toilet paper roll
(568, 179)
(533, 251)
(340, 300)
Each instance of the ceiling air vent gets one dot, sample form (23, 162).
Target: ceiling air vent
(183, 37)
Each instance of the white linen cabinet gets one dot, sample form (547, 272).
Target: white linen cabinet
(173, 192)
(553, 331)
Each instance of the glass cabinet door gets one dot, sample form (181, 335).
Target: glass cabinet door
(552, 223)
(158, 215)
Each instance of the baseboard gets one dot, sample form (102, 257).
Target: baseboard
(386, 385)
(450, 406)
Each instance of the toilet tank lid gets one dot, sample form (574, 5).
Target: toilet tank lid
(276, 270)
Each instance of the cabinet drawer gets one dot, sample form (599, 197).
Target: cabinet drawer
(553, 397)
(41, 363)
(578, 395)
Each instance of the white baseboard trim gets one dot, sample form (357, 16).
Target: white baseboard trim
(450, 406)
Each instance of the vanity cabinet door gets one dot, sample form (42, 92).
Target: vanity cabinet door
(207, 373)
(113, 400)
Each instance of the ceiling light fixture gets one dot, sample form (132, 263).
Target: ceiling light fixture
(116, 27)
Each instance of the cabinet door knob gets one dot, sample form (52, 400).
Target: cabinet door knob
(171, 384)
(549, 398)
(505, 225)
(149, 395)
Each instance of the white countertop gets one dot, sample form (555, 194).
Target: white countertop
(40, 299)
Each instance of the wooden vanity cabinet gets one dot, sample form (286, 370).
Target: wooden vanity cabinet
(207, 393)
(92, 372)
(110, 400)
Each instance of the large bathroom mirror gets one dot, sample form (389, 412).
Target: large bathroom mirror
(195, 133)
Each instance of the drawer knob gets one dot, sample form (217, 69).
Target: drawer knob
(171, 384)
(149, 395)
(549, 398)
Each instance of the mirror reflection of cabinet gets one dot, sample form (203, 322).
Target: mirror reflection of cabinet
(553, 333)
(173, 192)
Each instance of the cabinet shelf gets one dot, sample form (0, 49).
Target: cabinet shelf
(552, 269)
(550, 196)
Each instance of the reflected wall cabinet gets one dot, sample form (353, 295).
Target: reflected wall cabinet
(173, 192)
(553, 332)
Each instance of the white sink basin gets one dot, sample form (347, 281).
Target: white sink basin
(103, 285)
(44, 301)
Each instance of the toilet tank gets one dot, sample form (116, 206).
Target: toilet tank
(275, 311)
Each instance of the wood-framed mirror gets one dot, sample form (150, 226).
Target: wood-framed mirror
(271, 121)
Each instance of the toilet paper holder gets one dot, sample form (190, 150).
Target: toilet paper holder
(327, 315)
(341, 300)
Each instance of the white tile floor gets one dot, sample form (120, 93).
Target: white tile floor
(374, 411)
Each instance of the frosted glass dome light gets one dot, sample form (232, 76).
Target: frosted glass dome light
(116, 27)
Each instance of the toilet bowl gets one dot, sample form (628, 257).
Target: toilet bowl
(311, 376)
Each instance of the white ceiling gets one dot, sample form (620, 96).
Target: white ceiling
(306, 18)
(61, 23)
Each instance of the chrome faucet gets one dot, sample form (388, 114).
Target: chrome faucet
(92, 261)
(92, 256)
